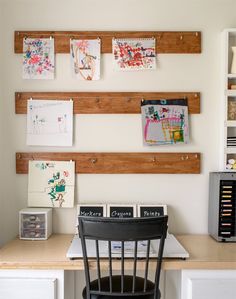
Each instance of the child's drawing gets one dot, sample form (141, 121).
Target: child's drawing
(134, 54)
(38, 58)
(51, 184)
(85, 59)
(165, 121)
(49, 122)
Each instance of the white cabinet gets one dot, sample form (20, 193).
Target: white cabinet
(228, 147)
(27, 288)
(208, 284)
(32, 284)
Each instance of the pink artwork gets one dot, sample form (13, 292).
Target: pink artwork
(134, 54)
(165, 121)
(85, 59)
(38, 58)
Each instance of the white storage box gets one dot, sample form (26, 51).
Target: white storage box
(35, 223)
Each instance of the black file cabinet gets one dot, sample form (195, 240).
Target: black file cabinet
(222, 199)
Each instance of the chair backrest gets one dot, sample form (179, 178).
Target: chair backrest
(123, 230)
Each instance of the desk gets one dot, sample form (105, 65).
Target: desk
(50, 256)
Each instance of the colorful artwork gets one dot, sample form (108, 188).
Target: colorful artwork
(134, 54)
(51, 184)
(49, 122)
(85, 58)
(165, 121)
(38, 58)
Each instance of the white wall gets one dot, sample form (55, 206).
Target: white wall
(8, 202)
(1, 134)
(186, 195)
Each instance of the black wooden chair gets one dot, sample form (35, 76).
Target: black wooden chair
(123, 230)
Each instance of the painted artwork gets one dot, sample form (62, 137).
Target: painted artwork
(49, 122)
(165, 121)
(85, 58)
(38, 58)
(51, 184)
(134, 54)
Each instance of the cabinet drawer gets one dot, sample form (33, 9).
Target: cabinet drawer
(27, 288)
(213, 288)
(208, 284)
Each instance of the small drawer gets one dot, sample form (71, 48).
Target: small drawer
(35, 223)
(33, 218)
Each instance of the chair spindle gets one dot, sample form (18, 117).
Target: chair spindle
(98, 265)
(135, 265)
(146, 266)
(110, 266)
(122, 265)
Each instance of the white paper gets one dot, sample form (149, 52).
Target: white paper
(85, 59)
(51, 184)
(38, 58)
(134, 54)
(129, 247)
(49, 122)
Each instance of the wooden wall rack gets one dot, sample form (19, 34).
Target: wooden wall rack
(166, 41)
(123, 163)
(106, 102)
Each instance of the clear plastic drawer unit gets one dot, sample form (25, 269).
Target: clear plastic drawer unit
(35, 223)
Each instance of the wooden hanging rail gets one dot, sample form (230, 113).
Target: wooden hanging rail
(106, 102)
(166, 41)
(125, 163)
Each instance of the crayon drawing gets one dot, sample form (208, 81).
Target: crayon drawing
(38, 58)
(85, 59)
(165, 121)
(51, 184)
(49, 122)
(134, 54)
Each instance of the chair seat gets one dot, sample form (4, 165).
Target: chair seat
(116, 287)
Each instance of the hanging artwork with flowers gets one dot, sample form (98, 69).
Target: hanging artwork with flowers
(85, 59)
(38, 58)
(134, 54)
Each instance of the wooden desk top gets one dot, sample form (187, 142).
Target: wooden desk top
(205, 253)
